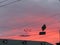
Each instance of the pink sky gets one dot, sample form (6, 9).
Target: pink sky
(52, 35)
(30, 14)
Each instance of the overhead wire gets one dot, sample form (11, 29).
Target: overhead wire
(10, 3)
(3, 1)
(18, 1)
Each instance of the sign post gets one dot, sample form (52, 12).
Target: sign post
(43, 28)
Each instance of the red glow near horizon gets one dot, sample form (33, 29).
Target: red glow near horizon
(30, 14)
(52, 35)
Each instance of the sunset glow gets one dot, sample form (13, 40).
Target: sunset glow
(31, 14)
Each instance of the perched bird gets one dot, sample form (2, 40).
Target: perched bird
(43, 27)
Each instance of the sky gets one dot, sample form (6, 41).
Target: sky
(31, 14)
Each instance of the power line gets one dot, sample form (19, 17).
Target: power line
(3, 1)
(10, 3)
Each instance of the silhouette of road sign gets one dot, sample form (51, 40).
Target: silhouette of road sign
(43, 27)
(42, 33)
(5, 41)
